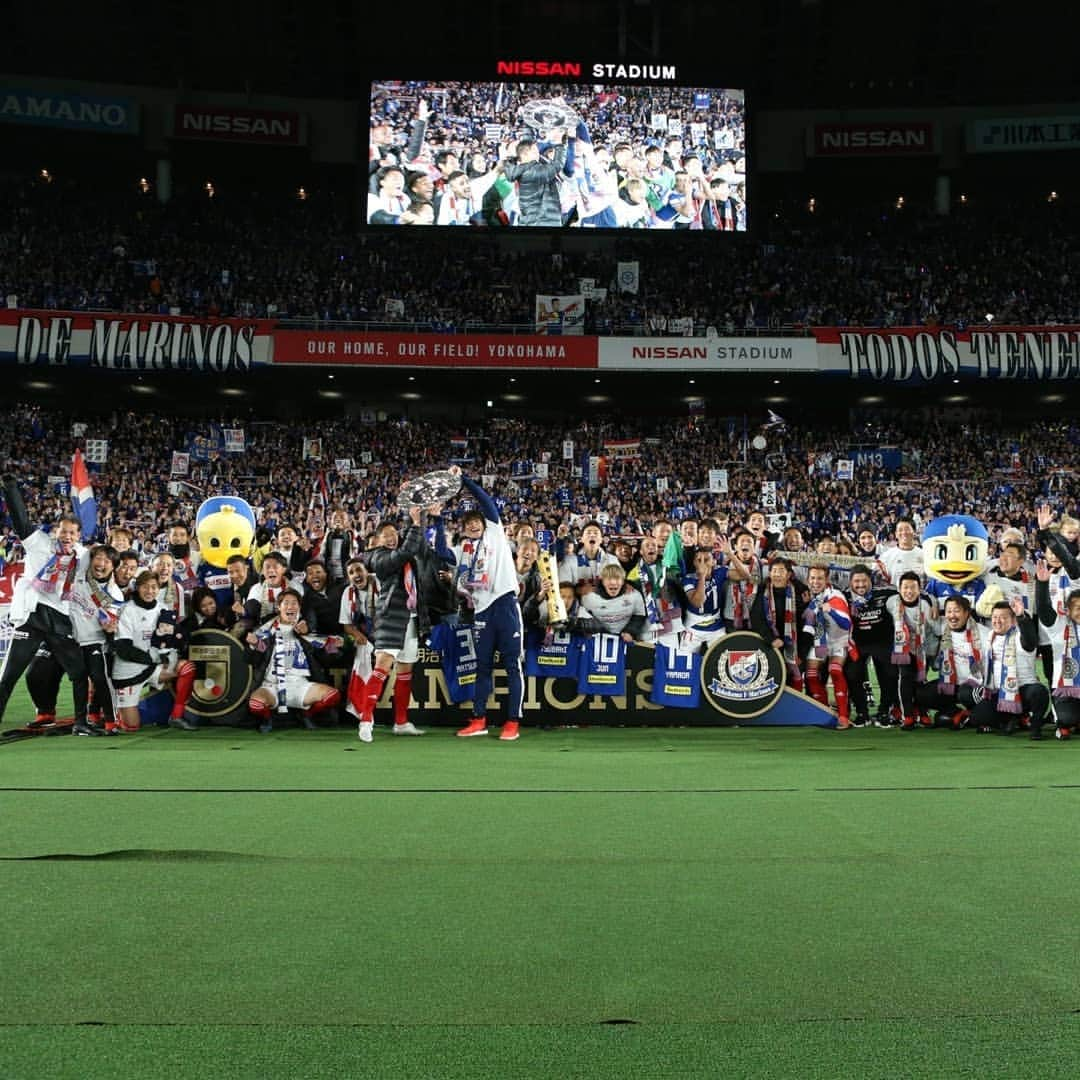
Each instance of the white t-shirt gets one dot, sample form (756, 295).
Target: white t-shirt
(897, 561)
(39, 548)
(486, 568)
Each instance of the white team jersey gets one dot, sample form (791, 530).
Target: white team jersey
(580, 568)
(85, 621)
(354, 599)
(137, 625)
(40, 548)
(613, 611)
(486, 568)
(897, 561)
(1010, 588)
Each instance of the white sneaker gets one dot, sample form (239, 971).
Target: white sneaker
(365, 730)
(408, 728)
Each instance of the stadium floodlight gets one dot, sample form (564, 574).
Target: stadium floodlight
(989, 318)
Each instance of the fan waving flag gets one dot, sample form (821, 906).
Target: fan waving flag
(82, 496)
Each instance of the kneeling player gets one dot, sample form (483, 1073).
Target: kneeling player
(142, 656)
(287, 668)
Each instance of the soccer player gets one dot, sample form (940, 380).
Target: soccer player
(486, 569)
(828, 621)
(905, 556)
(400, 618)
(322, 601)
(539, 203)
(263, 596)
(355, 619)
(703, 618)
(619, 610)
(287, 669)
(583, 568)
(145, 653)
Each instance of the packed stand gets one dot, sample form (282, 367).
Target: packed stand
(64, 247)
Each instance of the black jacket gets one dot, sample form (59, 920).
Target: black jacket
(538, 189)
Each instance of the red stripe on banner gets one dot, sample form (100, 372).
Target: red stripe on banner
(434, 350)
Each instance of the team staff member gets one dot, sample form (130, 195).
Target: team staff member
(95, 610)
(872, 637)
(41, 605)
(491, 579)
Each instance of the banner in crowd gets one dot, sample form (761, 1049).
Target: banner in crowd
(229, 124)
(622, 449)
(97, 451)
(1019, 133)
(560, 314)
(178, 343)
(881, 457)
(234, 440)
(180, 463)
(871, 138)
(433, 350)
(912, 353)
(628, 277)
(133, 342)
(116, 116)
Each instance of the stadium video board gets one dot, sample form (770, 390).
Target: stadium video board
(549, 144)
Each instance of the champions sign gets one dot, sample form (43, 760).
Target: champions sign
(134, 342)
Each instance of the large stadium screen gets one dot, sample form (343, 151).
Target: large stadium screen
(558, 152)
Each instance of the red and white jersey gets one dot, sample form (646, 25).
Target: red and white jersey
(828, 618)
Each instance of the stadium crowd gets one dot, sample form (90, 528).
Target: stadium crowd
(977, 465)
(244, 254)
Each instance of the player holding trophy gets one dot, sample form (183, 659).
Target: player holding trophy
(485, 568)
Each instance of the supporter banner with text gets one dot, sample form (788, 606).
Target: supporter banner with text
(133, 342)
(712, 354)
(917, 354)
(433, 350)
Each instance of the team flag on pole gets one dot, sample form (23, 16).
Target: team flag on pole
(82, 496)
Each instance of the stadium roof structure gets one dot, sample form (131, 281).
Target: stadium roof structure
(791, 53)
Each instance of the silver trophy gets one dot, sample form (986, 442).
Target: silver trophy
(543, 114)
(431, 488)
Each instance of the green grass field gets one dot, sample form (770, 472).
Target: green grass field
(583, 903)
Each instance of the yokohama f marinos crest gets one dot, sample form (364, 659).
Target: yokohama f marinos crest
(742, 676)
